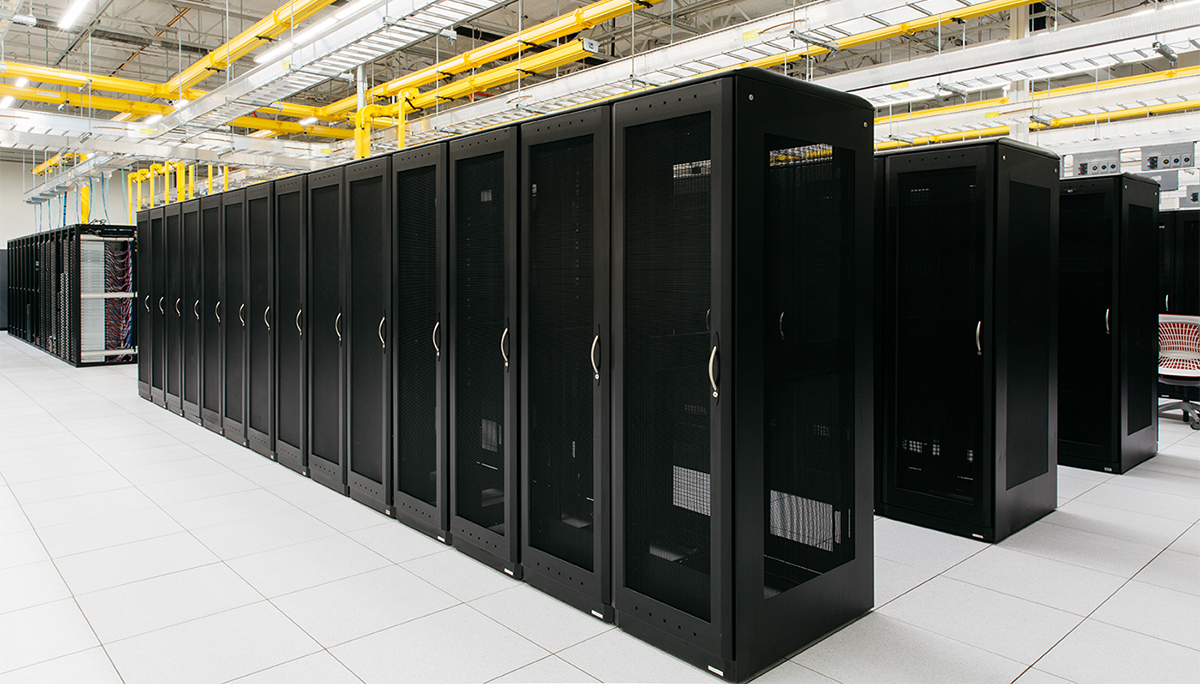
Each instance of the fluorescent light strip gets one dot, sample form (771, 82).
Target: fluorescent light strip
(68, 18)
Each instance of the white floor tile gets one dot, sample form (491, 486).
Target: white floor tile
(347, 515)
(1173, 570)
(1154, 611)
(1036, 676)
(224, 481)
(186, 469)
(459, 575)
(788, 672)
(1049, 582)
(271, 474)
(119, 445)
(350, 608)
(922, 548)
(550, 670)
(43, 632)
(255, 502)
(1143, 501)
(305, 493)
(48, 470)
(118, 565)
(545, 621)
(878, 648)
(90, 534)
(12, 519)
(68, 487)
(213, 649)
(87, 506)
(25, 586)
(1188, 542)
(1166, 483)
(398, 543)
(20, 548)
(1071, 487)
(637, 662)
(10, 457)
(318, 668)
(415, 651)
(300, 566)
(1005, 625)
(134, 458)
(893, 579)
(244, 537)
(6, 497)
(1114, 522)
(1097, 653)
(150, 604)
(91, 666)
(1085, 549)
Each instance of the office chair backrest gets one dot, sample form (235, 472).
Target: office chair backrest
(1179, 346)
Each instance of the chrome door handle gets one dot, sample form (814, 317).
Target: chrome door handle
(502, 350)
(298, 328)
(241, 311)
(196, 309)
(380, 332)
(595, 366)
(712, 377)
(978, 343)
(1107, 327)
(1167, 302)
(160, 309)
(781, 314)
(178, 313)
(336, 327)
(147, 303)
(265, 321)
(216, 310)
(437, 351)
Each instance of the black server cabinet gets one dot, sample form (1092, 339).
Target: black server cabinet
(565, 385)
(191, 311)
(367, 293)
(173, 328)
(212, 340)
(290, 390)
(145, 288)
(970, 329)
(158, 313)
(325, 329)
(233, 314)
(1179, 262)
(483, 347)
(260, 319)
(742, 368)
(420, 308)
(1108, 331)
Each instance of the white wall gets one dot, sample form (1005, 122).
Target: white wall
(18, 218)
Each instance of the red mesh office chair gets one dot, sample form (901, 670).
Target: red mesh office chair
(1179, 361)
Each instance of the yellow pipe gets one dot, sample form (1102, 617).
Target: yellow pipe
(292, 127)
(260, 33)
(934, 111)
(191, 181)
(210, 179)
(138, 177)
(180, 181)
(129, 197)
(567, 24)
(362, 130)
(406, 95)
(85, 203)
(225, 172)
(56, 160)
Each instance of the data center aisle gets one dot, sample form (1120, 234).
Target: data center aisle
(139, 547)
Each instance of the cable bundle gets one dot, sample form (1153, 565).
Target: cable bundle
(118, 318)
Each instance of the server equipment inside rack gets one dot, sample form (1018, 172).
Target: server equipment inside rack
(291, 370)
(191, 309)
(970, 324)
(1179, 277)
(565, 382)
(483, 346)
(72, 292)
(741, 445)
(234, 276)
(1108, 332)
(212, 341)
(173, 316)
(421, 495)
(260, 319)
(326, 367)
(367, 302)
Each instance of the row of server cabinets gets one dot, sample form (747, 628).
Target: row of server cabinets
(70, 292)
(1018, 332)
(622, 353)
(1179, 277)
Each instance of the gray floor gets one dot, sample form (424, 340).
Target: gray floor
(138, 547)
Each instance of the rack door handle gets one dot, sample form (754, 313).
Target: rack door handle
(595, 365)
(216, 310)
(337, 326)
(379, 332)
(298, 328)
(437, 351)
(781, 315)
(978, 341)
(712, 374)
(241, 314)
(147, 303)
(1167, 302)
(503, 351)
(1107, 319)
(178, 313)
(160, 307)
(196, 309)
(265, 321)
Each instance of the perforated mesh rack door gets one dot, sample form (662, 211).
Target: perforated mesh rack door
(809, 361)
(192, 313)
(667, 430)
(559, 438)
(174, 315)
(417, 314)
(479, 324)
(325, 327)
(211, 311)
(260, 325)
(289, 301)
(233, 314)
(158, 244)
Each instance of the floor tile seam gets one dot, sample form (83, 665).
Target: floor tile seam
(59, 476)
(1134, 484)
(222, 558)
(141, 579)
(1106, 536)
(387, 562)
(113, 546)
(1024, 598)
(548, 656)
(57, 657)
(101, 516)
(957, 640)
(95, 635)
(114, 642)
(373, 632)
(1148, 636)
(291, 660)
(518, 634)
(53, 498)
(922, 583)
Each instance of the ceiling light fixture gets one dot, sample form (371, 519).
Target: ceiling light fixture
(22, 82)
(6, 102)
(153, 119)
(68, 18)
